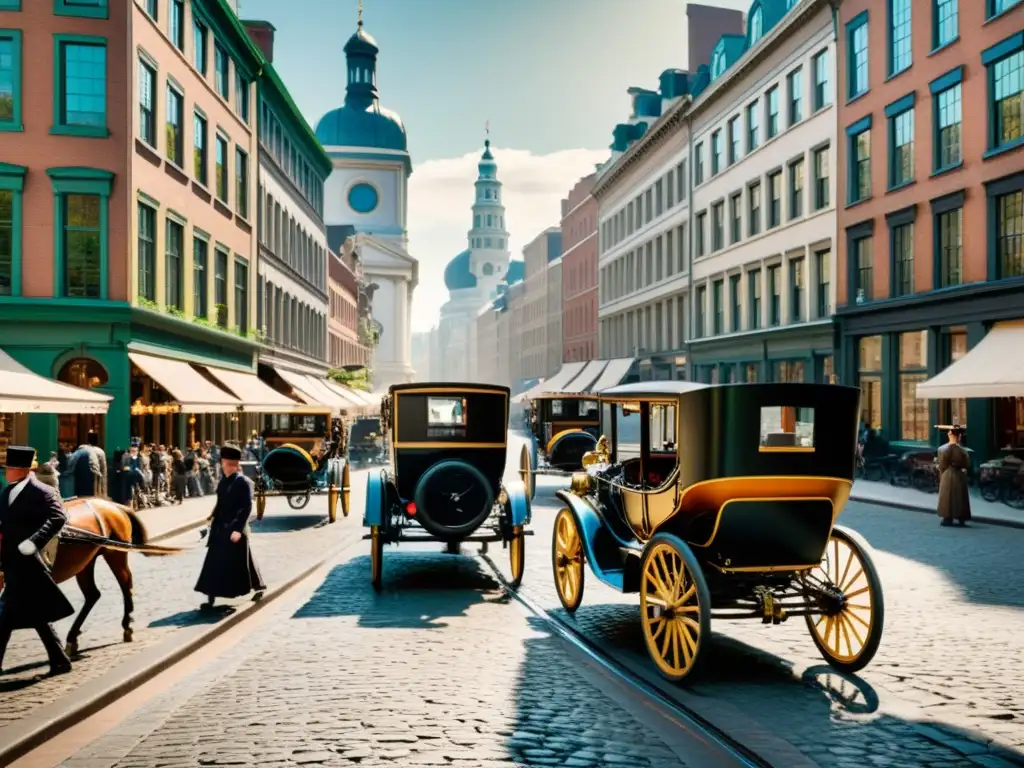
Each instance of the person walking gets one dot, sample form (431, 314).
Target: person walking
(954, 467)
(179, 476)
(31, 514)
(230, 569)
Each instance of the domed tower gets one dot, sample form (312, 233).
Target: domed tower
(488, 239)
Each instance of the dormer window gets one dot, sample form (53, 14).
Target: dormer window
(718, 61)
(756, 25)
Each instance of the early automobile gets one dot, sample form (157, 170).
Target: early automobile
(562, 427)
(448, 444)
(366, 442)
(293, 471)
(721, 501)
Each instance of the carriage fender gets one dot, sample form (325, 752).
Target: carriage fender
(518, 502)
(588, 522)
(554, 440)
(533, 451)
(376, 489)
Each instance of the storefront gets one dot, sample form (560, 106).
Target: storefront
(802, 353)
(891, 349)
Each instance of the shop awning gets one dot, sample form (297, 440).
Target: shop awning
(335, 400)
(22, 391)
(613, 374)
(994, 368)
(255, 395)
(355, 403)
(305, 390)
(191, 391)
(557, 382)
(582, 381)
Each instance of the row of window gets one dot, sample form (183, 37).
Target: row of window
(816, 369)
(285, 237)
(289, 322)
(344, 352)
(660, 197)
(577, 318)
(763, 217)
(343, 310)
(743, 309)
(290, 160)
(730, 143)
(660, 258)
(580, 351)
(579, 272)
(214, 273)
(658, 326)
(174, 139)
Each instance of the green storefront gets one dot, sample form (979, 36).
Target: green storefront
(798, 353)
(87, 343)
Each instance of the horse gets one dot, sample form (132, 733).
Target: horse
(99, 527)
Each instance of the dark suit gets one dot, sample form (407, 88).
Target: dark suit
(229, 569)
(31, 599)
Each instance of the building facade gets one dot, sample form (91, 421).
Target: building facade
(912, 298)
(579, 272)
(345, 346)
(366, 198)
(541, 348)
(135, 249)
(762, 134)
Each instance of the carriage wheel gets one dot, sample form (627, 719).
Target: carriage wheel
(567, 560)
(675, 606)
(298, 500)
(526, 472)
(346, 490)
(517, 555)
(376, 556)
(332, 504)
(848, 635)
(261, 504)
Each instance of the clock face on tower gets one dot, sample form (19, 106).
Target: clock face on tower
(363, 197)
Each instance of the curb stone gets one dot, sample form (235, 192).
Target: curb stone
(931, 511)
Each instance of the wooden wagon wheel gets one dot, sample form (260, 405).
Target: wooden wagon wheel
(376, 557)
(675, 606)
(346, 490)
(567, 561)
(848, 631)
(517, 555)
(526, 472)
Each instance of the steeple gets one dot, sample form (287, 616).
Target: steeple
(361, 54)
(488, 239)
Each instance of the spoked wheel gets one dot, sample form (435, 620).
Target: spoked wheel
(298, 500)
(526, 473)
(517, 555)
(847, 587)
(567, 560)
(376, 556)
(675, 606)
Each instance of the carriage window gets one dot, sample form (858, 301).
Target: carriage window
(556, 407)
(627, 432)
(588, 409)
(663, 428)
(787, 428)
(446, 411)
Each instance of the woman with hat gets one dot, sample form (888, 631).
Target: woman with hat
(954, 466)
(229, 569)
(30, 515)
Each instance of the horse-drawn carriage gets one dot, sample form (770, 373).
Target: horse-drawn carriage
(448, 444)
(562, 428)
(366, 442)
(721, 501)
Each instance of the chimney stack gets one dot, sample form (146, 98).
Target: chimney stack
(262, 33)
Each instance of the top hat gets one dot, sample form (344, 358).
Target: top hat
(20, 456)
(230, 452)
(957, 429)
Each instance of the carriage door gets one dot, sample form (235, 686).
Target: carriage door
(658, 449)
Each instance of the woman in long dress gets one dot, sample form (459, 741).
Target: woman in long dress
(954, 467)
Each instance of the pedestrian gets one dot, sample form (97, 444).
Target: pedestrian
(31, 515)
(179, 476)
(954, 467)
(89, 466)
(229, 569)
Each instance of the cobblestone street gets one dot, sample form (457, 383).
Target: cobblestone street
(284, 543)
(947, 685)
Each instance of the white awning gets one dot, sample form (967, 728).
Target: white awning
(586, 377)
(355, 395)
(353, 403)
(557, 382)
(189, 388)
(305, 390)
(255, 395)
(994, 368)
(22, 391)
(613, 374)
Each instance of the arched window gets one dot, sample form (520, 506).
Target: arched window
(488, 269)
(83, 372)
(756, 25)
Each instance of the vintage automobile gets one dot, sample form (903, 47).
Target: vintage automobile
(562, 427)
(720, 501)
(292, 471)
(366, 442)
(448, 444)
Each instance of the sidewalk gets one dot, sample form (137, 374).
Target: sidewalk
(884, 494)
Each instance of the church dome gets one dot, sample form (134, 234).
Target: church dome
(375, 127)
(457, 275)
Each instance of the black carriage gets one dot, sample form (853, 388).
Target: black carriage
(721, 501)
(448, 445)
(562, 428)
(366, 442)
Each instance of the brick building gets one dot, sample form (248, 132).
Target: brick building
(579, 272)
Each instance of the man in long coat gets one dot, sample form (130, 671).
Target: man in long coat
(31, 514)
(229, 569)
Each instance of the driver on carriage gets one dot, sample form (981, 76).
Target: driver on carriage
(31, 514)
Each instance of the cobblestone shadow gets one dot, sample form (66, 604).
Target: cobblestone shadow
(287, 523)
(194, 618)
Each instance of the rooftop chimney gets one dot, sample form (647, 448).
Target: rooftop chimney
(262, 33)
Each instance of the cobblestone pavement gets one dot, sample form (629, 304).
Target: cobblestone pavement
(438, 669)
(947, 685)
(284, 543)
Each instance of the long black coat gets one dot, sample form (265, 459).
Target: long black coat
(30, 595)
(229, 569)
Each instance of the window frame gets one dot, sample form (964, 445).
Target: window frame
(152, 210)
(991, 58)
(12, 179)
(200, 26)
(797, 288)
(753, 126)
(204, 303)
(797, 195)
(80, 181)
(855, 234)
(242, 180)
(795, 107)
(240, 324)
(754, 217)
(992, 12)
(853, 133)
(895, 112)
(169, 222)
(941, 207)
(221, 78)
(179, 144)
(69, 8)
(15, 124)
(735, 148)
(902, 231)
(938, 88)
(754, 298)
(222, 140)
(774, 220)
(853, 26)
(822, 201)
(150, 138)
(58, 126)
(769, 115)
(891, 53)
(178, 41)
(937, 41)
(774, 294)
(821, 92)
(204, 180)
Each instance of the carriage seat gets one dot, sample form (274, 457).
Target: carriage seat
(659, 467)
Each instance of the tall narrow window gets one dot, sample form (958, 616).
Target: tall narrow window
(821, 179)
(241, 96)
(900, 56)
(796, 290)
(83, 78)
(774, 199)
(200, 304)
(734, 140)
(719, 307)
(199, 159)
(951, 257)
(946, 22)
(754, 214)
(903, 260)
(735, 310)
(822, 94)
(902, 152)
(864, 256)
(736, 218)
(174, 276)
(175, 127)
(1008, 85)
(222, 169)
(869, 379)
(199, 45)
(796, 96)
(220, 287)
(176, 25)
(773, 111)
(1009, 232)
(147, 253)
(716, 152)
(857, 36)
(242, 182)
(242, 296)
(82, 242)
(701, 225)
(698, 164)
(824, 259)
(151, 7)
(10, 79)
(147, 103)
(756, 25)
(774, 285)
(754, 283)
(753, 127)
(221, 73)
(948, 152)
(860, 167)
(701, 312)
(717, 226)
(914, 421)
(6, 242)
(796, 189)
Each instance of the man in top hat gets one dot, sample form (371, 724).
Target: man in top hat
(30, 515)
(229, 569)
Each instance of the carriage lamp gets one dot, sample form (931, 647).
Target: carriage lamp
(581, 483)
(411, 508)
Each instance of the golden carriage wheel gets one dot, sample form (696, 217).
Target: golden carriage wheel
(346, 490)
(261, 504)
(517, 555)
(848, 637)
(675, 606)
(376, 557)
(526, 472)
(332, 504)
(567, 560)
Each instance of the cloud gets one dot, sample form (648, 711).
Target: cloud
(440, 216)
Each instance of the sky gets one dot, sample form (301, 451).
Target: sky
(550, 76)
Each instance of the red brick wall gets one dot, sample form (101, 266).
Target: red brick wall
(579, 273)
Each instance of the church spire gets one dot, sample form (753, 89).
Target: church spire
(361, 54)
(488, 232)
